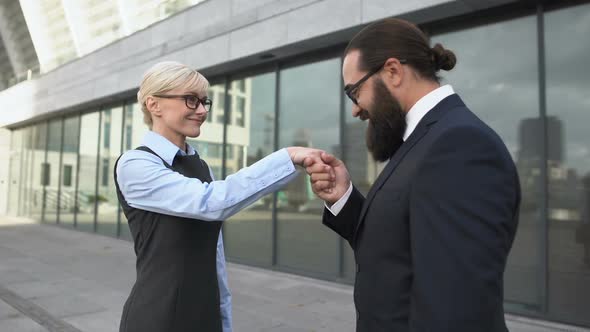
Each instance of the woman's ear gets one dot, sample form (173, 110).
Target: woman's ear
(153, 106)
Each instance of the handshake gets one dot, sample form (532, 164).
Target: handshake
(328, 175)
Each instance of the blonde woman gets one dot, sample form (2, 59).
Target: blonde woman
(174, 207)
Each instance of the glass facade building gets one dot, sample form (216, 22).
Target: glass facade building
(525, 74)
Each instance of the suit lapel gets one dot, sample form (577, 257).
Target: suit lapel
(421, 130)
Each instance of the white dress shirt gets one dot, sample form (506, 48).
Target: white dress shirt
(413, 117)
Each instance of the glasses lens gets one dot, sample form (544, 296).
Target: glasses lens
(192, 101)
(350, 96)
(207, 104)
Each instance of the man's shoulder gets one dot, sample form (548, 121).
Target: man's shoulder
(462, 122)
(464, 134)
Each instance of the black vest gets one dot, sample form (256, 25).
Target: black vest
(176, 287)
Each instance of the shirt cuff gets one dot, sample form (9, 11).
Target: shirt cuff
(284, 154)
(337, 207)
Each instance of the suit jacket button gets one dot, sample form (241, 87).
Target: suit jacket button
(358, 268)
(357, 315)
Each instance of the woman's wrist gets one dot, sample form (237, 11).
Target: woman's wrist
(293, 151)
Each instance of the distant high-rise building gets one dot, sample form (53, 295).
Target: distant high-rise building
(561, 180)
(529, 133)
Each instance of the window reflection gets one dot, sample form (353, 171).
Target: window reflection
(133, 132)
(568, 165)
(50, 171)
(248, 235)
(217, 94)
(87, 196)
(110, 149)
(16, 172)
(24, 202)
(69, 176)
(514, 82)
(35, 168)
(309, 116)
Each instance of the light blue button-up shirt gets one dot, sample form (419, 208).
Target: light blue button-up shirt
(148, 185)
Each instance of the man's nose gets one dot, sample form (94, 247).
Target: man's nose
(356, 110)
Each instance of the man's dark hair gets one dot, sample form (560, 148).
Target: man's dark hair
(396, 38)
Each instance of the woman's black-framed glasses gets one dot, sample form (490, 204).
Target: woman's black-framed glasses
(191, 101)
(351, 89)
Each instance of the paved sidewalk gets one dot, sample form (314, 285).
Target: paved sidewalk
(55, 279)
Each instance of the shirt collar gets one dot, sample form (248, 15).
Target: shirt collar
(164, 148)
(424, 105)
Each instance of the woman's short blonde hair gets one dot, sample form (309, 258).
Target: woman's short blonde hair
(166, 76)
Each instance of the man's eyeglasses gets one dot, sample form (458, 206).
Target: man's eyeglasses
(191, 101)
(351, 89)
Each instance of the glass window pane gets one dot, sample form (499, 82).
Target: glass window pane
(16, 170)
(133, 133)
(217, 95)
(51, 171)
(25, 203)
(45, 170)
(248, 235)
(238, 94)
(86, 196)
(209, 144)
(309, 116)
(34, 188)
(502, 89)
(110, 150)
(568, 109)
(69, 175)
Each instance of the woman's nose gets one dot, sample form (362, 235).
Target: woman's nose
(201, 109)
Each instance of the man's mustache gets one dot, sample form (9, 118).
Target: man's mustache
(364, 115)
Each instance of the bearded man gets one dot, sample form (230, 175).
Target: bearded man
(432, 237)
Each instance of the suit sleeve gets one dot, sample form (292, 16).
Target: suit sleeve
(463, 218)
(347, 219)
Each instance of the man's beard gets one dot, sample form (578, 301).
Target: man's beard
(387, 124)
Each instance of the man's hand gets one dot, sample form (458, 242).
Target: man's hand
(324, 173)
(328, 190)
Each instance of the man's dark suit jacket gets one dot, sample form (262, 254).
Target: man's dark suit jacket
(432, 236)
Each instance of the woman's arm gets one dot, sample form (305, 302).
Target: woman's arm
(148, 185)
